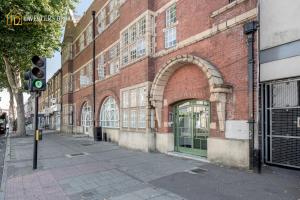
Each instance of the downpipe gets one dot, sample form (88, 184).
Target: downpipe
(250, 29)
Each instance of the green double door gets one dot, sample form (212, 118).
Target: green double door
(191, 127)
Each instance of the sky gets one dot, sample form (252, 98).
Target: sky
(54, 63)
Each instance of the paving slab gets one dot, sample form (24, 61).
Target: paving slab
(101, 170)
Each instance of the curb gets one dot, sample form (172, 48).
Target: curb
(4, 175)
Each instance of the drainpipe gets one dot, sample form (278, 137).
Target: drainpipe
(61, 100)
(254, 153)
(94, 74)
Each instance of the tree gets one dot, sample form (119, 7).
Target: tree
(19, 43)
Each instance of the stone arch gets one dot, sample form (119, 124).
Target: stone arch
(217, 87)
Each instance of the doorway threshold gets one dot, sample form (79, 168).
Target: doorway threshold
(187, 156)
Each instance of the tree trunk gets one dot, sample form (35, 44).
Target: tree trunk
(14, 81)
(11, 108)
(20, 113)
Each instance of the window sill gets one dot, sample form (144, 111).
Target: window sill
(107, 77)
(226, 8)
(115, 128)
(133, 62)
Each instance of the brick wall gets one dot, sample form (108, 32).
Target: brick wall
(226, 50)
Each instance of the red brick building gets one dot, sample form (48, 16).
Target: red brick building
(171, 75)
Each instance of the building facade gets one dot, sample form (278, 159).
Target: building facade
(50, 103)
(29, 112)
(171, 75)
(280, 82)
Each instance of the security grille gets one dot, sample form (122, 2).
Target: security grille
(280, 122)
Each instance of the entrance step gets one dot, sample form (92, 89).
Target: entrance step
(187, 156)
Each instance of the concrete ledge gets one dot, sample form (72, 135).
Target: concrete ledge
(112, 134)
(228, 152)
(136, 140)
(164, 142)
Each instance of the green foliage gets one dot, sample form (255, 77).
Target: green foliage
(20, 43)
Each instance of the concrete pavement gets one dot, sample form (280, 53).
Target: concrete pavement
(77, 168)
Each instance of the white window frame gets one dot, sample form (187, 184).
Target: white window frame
(113, 13)
(114, 59)
(134, 110)
(125, 119)
(109, 113)
(86, 115)
(136, 39)
(101, 21)
(170, 31)
(81, 42)
(133, 118)
(170, 37)
(142, 118)
(89, 34)
(101, 67)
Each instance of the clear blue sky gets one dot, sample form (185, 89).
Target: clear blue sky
(54, 63)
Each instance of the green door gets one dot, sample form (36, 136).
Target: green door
(191, 126)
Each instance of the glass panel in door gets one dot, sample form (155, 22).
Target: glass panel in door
(200, 128)
(184, 128)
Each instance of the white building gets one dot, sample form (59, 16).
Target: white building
(280, 81)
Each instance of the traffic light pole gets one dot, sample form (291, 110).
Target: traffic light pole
(36, 129)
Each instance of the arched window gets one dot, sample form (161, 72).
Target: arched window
(109, 114)
(86, 115)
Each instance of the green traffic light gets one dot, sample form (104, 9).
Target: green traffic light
(38, 84)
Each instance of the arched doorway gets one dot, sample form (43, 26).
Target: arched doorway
(189, 134)
(191, 126)
(86, 117)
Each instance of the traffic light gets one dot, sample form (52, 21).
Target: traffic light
(38, 74)
(27, 83)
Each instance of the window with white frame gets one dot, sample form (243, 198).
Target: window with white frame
(86, 115)
(65, 114)
(89, 34)
(133, 119)
(135, 41)
(125, 99)
(101, 21)
(133, 98)
(66, 53)
(90, 72)
(68, 114)
(101, 67)
(134, 108)
(81, 42)
(113, 62)
(109, 114)
(113, 8)
(86, 75)
(70, 83)
(142, 118)
(71, 115)
(125, 118)
(65, 84)
(170, 31)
